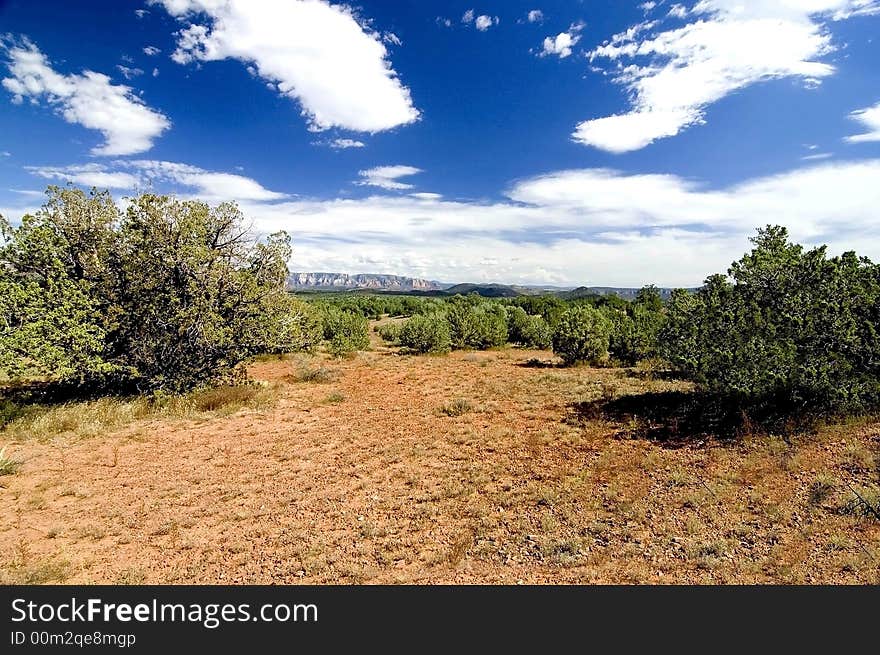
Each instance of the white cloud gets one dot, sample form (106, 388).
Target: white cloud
(140, 174)
(5, 153)
(728, 45)
(484, 22)
(563, 42)
(140, 13)
(88, 175)
(129, 73)
(582, 226)
(535, 16)
(151, 51)
(678, 11)
(870, 120)
(89, 99)
(647, 6)
(342, 144)
(385, 177)
(585, 226)
(817, 156)
(445, 22)
(468, 16)
(311, 51)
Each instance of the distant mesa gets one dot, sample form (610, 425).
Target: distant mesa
(400, 284)
(369, 281)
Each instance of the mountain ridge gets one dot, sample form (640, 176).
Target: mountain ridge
(380, 282)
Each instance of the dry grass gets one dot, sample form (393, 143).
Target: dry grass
(8, 466)
(98, 417)
(457, 407)
(363, 479)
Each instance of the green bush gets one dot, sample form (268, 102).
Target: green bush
(476, 324)
(527, 331)
(166, 295)
(790, 331)
(426, 334)
(634, 333)
(390, 332)
(346, 332)
(582, 335)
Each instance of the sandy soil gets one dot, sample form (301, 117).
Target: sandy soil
(364, 479)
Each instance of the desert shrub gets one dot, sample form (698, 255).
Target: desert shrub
(166, 295)
(390, 332)
(346, 332)
(476, 324)
(789, 332)
(527, 331)
(426, 334)
(634, 333)
(8, 466)
(582, 335)
(457, 407)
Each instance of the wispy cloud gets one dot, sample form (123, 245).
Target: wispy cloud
(386, 177)
(144, 174)
(870, 120)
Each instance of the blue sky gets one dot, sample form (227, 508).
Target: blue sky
(530, 142)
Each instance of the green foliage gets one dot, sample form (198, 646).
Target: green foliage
(527, 331)
(346, 332)
(635, 329)
(791, 330)
(167, 295)
(476, 324)
(426, 334)
(582, 335)
(390, 332)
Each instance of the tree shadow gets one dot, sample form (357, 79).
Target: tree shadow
(539, 363)
(680, 418)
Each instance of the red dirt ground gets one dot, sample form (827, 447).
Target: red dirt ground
(364, 479)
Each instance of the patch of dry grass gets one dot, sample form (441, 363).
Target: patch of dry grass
(92, 418)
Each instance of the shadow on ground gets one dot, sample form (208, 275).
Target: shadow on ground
(679, 418)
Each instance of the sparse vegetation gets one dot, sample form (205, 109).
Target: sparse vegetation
(8, 466)
(457, 407)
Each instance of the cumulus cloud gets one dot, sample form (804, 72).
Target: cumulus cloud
(151, 51)
(141, 174)
(870, 120)
(673, 75)
(309, 50)
(484, 22)
(89, 99)
(386, 177)
(468, 16)
(535, 16)
(562, 43)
